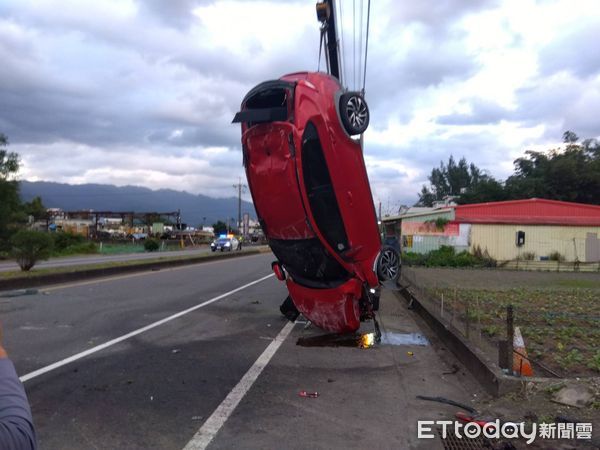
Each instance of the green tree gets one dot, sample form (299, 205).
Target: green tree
(35, 208)
(10, 203)
(459, 179)
(28, 247)
(220, 227)
(571, 174)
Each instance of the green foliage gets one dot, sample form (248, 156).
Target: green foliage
(9, 193)
(569, 174)
(35, 208)
(484, 258)
(450, 179)
(440, 223)
(151, 245)
(556, 256)
(65, 239)
(446, 256)
(219, 228)
(30, 246)
(85, 248)
(594, 363)
(570, 359)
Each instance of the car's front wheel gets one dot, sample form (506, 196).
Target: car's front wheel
(354, 113)
(388, 265)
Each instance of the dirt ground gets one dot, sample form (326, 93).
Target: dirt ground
(498, 279)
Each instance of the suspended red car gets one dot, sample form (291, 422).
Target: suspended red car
(311, 192)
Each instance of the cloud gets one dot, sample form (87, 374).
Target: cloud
(143, 91)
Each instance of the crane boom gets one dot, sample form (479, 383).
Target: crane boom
(326, 15)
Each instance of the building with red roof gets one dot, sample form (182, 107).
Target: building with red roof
(531, 229)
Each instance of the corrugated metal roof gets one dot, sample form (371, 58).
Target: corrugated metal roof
(427, 212)
(533, 211)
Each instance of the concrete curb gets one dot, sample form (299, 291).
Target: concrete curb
(84, 274)
(485, 371)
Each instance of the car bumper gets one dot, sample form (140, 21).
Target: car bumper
(336, 309)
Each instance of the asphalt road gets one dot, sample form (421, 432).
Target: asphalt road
(8, 266)
(159, 387)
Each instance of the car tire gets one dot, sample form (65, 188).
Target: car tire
(375, 300)
(388, 265)
(354, 113)
(213, 249)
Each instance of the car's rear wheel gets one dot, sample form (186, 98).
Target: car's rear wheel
(354, 113)
(388, 265)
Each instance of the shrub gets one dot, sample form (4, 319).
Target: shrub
(483, 257)
(64, 239)
(556, 256)
(446, 256)
(528, 256)
(78, 249)
(413, 259)
(29, 246)
(151, 245)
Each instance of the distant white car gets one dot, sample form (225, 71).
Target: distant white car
(225, 244)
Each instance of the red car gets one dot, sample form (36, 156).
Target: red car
(311, 192)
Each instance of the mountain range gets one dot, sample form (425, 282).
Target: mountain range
(196, 209)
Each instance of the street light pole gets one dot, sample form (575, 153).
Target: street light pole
(240, 188)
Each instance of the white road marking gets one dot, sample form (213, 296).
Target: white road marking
(70, 359)
(213, 424)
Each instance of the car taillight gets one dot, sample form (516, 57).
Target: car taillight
(278, 270)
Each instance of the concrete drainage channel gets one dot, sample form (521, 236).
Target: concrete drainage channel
(90, 273)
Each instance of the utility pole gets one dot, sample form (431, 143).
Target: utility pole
(240, 188)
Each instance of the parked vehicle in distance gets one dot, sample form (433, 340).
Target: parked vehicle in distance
(225, 243)
(307, 176)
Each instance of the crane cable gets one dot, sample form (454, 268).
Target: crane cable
(366, 46)
(362, 77)
(354, 43)
(340, 28)
(360, 39)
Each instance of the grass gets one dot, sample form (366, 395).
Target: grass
(561, 327)
(34, 273)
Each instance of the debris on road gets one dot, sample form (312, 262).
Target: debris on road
(175, 350)
(308, 394)
(454, 370)
(448, 402)
(577, 395)
(403, 339)
(410, 353)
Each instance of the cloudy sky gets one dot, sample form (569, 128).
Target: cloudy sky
(142, 92)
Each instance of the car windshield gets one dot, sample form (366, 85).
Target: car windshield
(223, 241)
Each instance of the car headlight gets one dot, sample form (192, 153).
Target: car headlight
(227, 244)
